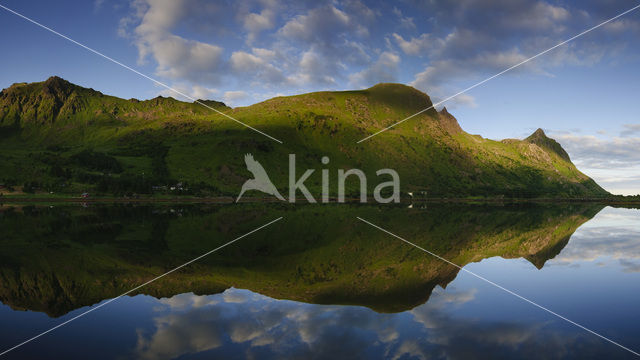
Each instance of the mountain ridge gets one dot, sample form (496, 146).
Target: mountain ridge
(184, 142)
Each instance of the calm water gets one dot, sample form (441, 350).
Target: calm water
(319, 283)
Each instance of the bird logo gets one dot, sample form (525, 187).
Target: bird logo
(260, 181)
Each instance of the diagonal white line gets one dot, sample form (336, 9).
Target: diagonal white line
(139, 286)
(500, 73)
(500, 287)
(139, 73)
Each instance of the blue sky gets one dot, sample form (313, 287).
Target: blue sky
(584, 94)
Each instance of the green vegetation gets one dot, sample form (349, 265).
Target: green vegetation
(57, 258)
(59, 137)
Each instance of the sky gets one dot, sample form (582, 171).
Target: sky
(584, 94)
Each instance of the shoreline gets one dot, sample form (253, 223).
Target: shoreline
(230, 200)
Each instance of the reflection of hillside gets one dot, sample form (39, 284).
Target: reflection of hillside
(58, 259)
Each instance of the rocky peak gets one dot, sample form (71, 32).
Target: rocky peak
(541, 139)
(449, 122)
(213, 103)
(56, 81)
(58, 88)
(539, 134)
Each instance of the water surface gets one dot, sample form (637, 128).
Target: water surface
(319, 283)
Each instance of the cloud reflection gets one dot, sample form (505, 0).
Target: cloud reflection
(612, 238)
(262, 327)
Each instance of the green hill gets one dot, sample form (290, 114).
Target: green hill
(60, 137)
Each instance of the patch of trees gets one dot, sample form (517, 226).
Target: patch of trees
(97, 161)
(122, 185)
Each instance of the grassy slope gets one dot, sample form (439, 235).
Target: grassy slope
(164, 141)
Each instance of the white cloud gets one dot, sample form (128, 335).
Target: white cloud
(329, 45)
(436, 78)
(313, 46)
(448, 71)
(406, 22)
(630, 130)
(243, 61)
(176, 57)
(623, 25)
(252, 66)
(462, 100)
(313, 68)
(417, 46)
(613, 162)
(265, 54)
(202, 92)
(194, 91)
(233, 97)
(485, 38)
(385, 69)
(593, 152)
(255, 23)
(179, 58)
(617, 180)
(318, 25)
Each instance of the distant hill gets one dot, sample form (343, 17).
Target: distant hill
(61, 137)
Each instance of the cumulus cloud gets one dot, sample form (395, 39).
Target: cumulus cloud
(255, 23)
(232, 97)
(272, 46)
(437, 77)
(313, 68)
(329, 39)
(257, 65)
(243, 61)
(385, 69)
(176, 57)
(630, 130)
(594, 152)
(612, 162)
(194, 91)
(316, 44)
(623, 180)
(417, 46)
(485, 38)
(320, 26)
(623, 25)
(440, 72)
(406, 22)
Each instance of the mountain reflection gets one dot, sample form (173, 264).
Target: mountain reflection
(57, 259)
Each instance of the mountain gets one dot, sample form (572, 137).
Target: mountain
(61, 137)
